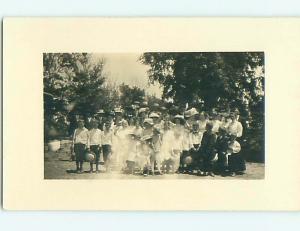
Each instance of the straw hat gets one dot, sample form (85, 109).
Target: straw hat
(153, 115)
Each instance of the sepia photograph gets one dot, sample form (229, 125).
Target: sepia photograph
(154, 115)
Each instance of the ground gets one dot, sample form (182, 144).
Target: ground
(58, 166)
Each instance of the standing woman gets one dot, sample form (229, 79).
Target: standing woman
(235, 127)
(80, 143)
(235, 160)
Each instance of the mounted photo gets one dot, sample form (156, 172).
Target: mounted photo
(154, 115)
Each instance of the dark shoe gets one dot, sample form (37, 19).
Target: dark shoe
(211, 174)
(240, 173)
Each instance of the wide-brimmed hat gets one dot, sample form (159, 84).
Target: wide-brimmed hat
(143, 109)
(148, 121)
(101, 111)
(187, 114)
(153, 115)
(118, 110)
(181, 117)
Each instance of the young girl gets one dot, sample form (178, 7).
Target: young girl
(146, 139)
(80, 143)
(177, 147)
(107, 141)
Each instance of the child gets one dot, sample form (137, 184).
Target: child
(208, 151)
(146, 139)
(177, 147)
(196, 138)
(132, 152)
(155, 150)
(80, 143)
(186, 146)
(107, 141)
(95, 135)
(222, 146)
(236, 162)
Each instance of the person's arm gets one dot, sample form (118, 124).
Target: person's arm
(73, 138)
(239, 130)
(88, 140)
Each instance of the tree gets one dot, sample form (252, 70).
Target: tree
(129, 95)
(73, 84)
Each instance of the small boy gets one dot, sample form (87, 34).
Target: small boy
(155, 150)
(95, 136)
(80, 143)
(208, 150)
(107, 141)
(222, 146)
(196, 138)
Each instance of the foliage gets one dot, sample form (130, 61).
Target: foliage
(73, 84)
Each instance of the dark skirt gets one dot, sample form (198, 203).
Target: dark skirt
(236, 163)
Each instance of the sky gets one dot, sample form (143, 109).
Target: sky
(125, 67)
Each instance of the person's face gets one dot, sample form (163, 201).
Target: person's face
(118, 116)
(147, 125)
(228, 119)
(202, 117)
(155, 120)
(107, 126)
(95, 125)
(137, 123)
(177, 121)
(80, 124)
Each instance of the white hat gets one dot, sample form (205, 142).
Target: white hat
(187, 114)
(142, 110)
(149, 121)
(118, 110)
(153, 115)
(179, 117)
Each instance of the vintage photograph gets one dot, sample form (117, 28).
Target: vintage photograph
(154, 115)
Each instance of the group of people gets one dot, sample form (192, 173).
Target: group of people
(153, 143)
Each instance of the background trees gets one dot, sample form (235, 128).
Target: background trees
(73, 85)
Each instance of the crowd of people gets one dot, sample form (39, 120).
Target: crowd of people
(151, 142)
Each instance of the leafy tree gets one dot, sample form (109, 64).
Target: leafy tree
(73, 84)
(129, 95)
